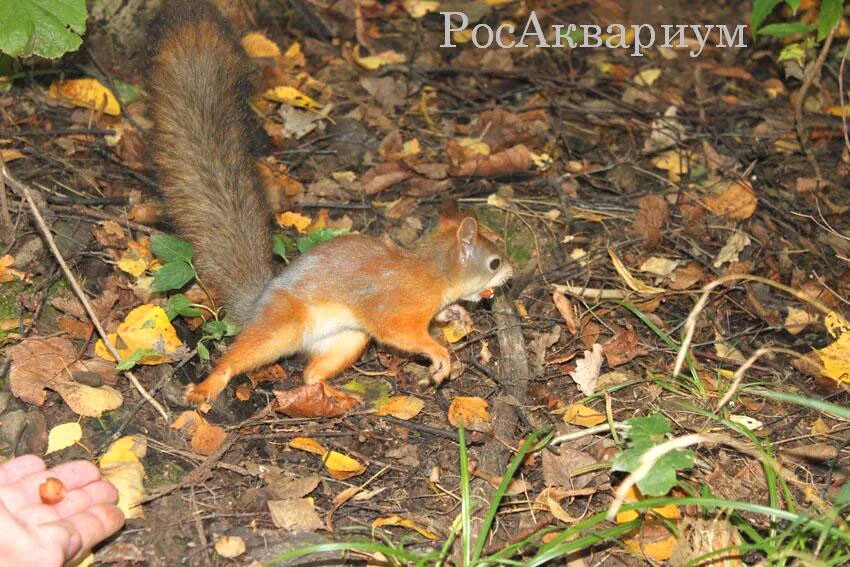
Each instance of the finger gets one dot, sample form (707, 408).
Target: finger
(93, 525)
(19, 467)
(25, 491)
(76, 501)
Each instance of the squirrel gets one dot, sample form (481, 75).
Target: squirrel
(327, 303)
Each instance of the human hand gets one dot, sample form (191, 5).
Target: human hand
(36, 534)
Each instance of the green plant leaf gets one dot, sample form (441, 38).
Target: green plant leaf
(283, 246)
(203, 351)
(644, 434)
(761, 10)
(793, 52)
(179, 305)
(138, 354)
(169, 248)
(172, 275)
(48, 28)
(828, 16)
(786, 29)
(218, 329)
(318, 236)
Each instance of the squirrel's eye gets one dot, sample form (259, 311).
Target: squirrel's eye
(495, 263)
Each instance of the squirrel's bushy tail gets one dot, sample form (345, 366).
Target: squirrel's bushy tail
(204, 141)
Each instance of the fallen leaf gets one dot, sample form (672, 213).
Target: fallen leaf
(9, 154)
(737, 200)
(686, 276)
(295, 514)
(632, 282)
(230, 546)
(88, 93)
(375, 62)
(653, 213)
(258, 45)
(8, 274)
(314, 400)
(308, 444)
(383, 176)
(295, 220)
(402, 407)
(835, 358)
(647, 77)
(565, 308)
(749, 422)
(63, 436)
(457, 329)
(342, 466)
(292, 97)
(798, 319)
(583, 416)
(146, 328)
(659, 266)
(206, 437)
(622, 347)
(121, 465)
(420, 8)
(652, 539)
(396, 520)
(734, 246)
(512, 160)
(562, 469)
(471, 412)
(675, 162)
(587, 370)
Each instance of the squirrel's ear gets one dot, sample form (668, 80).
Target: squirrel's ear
(467, 232)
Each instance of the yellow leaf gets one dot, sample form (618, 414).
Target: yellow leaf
(88, 93)
(63, 436)
(736, 201)
(419, 8)
(497, 2)
(471, 412)
(836, 324)
(406, 523)
(409, 149)
(10, 155)
(456, 329)
(296, 220)
(145, 327)
(375, 62)
(292, 97)
(259, 46)
(820, 427)
(91, 401)
(308, 444)
(402, 407)
(583, 416)
(138, 258)
(342, 467)
(674, 162)
(631, 281)
(230, 546)
(121, 466)
(660, 550)
(647, 77)
(835, 359)
(462, 36)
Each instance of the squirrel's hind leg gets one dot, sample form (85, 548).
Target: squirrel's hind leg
(331, 356)
(277, 332)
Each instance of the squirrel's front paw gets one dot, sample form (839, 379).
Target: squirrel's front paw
(207, 391)
(441, 366)
(454, 312)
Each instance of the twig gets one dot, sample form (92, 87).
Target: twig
(25, 191)
(5, 217)
(739, 374)
(841, 94)
(814, 70)
(427, 429)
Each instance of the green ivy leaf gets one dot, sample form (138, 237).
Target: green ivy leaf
(828, 16)
(169, 248)
(318, 236)
(48, 28)
(179, 305)
(172, 275)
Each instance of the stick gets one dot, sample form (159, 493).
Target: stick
(45, 231)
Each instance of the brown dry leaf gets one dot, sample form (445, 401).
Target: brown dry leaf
(402, 407)
(206, 437)
(622, 347)
(7, 274)
(820, 427)
(8, 154)
(290, 487)
(686, 276)
(659, 266)
(565, 308)
(295, 514)
(461, 150)
(512, 160)
(583, 416)
(109, 234)
(314, 400)
(735, 244)
(138, 258)
(653, 213)
(383, 176)
(737, 200)
(560, 469)
(397, 520)
(500, 129)
(39, 364)
(471, 412)
(703, 537)
(587, 370)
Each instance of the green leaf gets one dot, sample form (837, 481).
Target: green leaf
(217, 329)
(170, 248)
(283, 246)
(651, 429)
(138, 354)
(793, 52)
(172, 275)
(318, 236)
(48, 28)
(179, 305)
(761, 10)
(828, 16)
(127, 92)
(203, 351)
(784, 30)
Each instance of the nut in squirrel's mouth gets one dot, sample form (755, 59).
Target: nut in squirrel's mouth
(487, 293)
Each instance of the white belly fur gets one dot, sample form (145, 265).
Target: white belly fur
(324, 322)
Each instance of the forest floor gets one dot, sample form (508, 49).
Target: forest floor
(619, 187)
